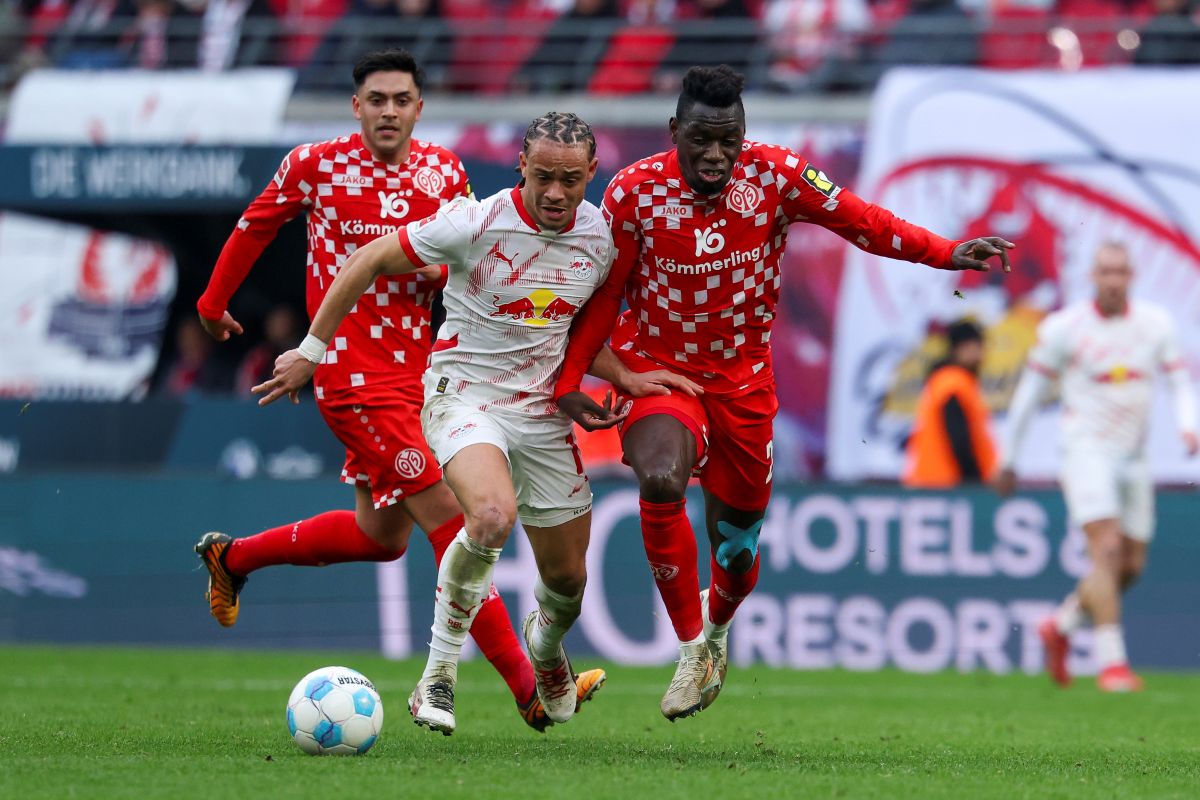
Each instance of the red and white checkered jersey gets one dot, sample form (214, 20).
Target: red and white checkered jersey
(350, 199)
(1106, 368)
(701, 273)
(512, 294)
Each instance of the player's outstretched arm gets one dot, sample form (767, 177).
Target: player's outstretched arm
(285, 196)
(974, 253)
(293, 369)
(1030, 389)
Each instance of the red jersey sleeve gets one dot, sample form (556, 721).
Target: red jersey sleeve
(595, 321)
(810, 196)
(288, 193)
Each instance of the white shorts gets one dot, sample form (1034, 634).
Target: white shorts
(547, 470)
(1099, 485)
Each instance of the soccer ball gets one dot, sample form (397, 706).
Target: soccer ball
(334, 710)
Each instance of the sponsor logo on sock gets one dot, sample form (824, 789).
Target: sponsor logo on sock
(664, 572)
(729, 598)
(466, 612)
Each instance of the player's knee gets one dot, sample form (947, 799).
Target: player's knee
(490, 523)
(565, 578)
(663, 484)
(1131, 570)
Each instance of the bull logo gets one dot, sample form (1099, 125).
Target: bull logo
(518, 309)
(541, 307)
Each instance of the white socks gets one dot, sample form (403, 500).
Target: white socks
(1110, 646)
(1070, 616)
(463, 582)
(557, 614)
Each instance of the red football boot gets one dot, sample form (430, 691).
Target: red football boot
(1118, 678)
(1057, 647)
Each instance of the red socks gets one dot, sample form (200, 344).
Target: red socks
(492, 629)
(329, 538)
(728, 590)
(671, 549)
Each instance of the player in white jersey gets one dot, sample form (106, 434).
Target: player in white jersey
(1105, 354)
(521, 263)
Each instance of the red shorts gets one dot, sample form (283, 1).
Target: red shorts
(734, 446)
(385, 449)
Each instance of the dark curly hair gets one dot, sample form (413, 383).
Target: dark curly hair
(717, 87)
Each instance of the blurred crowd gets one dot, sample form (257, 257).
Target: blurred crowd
(599, 46)
(192, 363)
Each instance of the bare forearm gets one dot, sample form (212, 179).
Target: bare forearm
(606, 366)
(381, 257)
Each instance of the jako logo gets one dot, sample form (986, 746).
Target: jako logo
(391, 204)
(709, 241)
(663, 572)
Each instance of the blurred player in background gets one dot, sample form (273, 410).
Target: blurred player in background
(951, 443)
(368, 385)
(521, 264)
(699, 232)
(1104, 353)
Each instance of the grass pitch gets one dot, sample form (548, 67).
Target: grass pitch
(98, 723)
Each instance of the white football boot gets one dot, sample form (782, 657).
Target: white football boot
(693, 672)
(554, 678)
(432, 704)
(717, 639)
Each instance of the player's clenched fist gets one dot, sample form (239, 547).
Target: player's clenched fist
(292, 371)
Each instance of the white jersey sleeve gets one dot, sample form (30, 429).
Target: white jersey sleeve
(1179, 381)
(444, 237)
(1052, 351)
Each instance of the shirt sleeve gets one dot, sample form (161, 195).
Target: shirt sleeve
(443, 237)
(1179, 381)
(289, 192)
(1045, 361)
(1050, 354)
(595, 321)
(809, 195)
(958, 431)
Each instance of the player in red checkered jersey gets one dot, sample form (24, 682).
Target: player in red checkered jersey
(699, 232)
(368, 386)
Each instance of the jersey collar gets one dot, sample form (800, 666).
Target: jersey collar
(523, 213)
(671, 170)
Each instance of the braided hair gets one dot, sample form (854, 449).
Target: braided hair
(562, 127)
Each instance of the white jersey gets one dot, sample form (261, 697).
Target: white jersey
(1106, 368)
(513, 290)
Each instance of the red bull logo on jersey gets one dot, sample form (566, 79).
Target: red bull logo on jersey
(539, 308)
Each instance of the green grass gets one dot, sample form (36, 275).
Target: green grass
(95, 723)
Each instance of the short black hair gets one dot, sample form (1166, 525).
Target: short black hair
(396, 59)
(717, 87)
(563, 127)
(963, 331)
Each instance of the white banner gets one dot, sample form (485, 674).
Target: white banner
(1057, 163)
(81, 311)
(133, 106)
